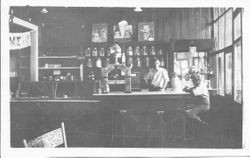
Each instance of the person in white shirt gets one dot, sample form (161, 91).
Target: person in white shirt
(200, 91)
(157, 77)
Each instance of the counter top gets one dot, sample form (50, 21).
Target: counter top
(144, 92)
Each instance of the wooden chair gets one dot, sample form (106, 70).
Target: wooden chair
(51, 139)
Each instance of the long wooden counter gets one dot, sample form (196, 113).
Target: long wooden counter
(89, 120)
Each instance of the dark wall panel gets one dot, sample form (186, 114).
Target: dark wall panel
(64, 28)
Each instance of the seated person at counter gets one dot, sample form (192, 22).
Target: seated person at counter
(200, 91)
(157, 77)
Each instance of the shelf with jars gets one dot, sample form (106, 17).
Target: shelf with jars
(137, 53)
(60, 68)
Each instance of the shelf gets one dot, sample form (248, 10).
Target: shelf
(57, 57)
(58, 68)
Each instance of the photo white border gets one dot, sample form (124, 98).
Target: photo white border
(6, 151)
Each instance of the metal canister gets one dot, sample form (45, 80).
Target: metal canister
(128, 84)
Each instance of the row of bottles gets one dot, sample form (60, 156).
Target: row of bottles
(63, 77)
(137, 62)
(137, 51)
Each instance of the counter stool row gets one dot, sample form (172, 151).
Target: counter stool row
(161, 128)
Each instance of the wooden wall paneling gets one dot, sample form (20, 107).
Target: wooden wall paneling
(174, 23)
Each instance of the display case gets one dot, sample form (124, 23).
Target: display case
(60, 68)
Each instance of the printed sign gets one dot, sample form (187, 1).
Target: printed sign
(19, 40)
(49, 140)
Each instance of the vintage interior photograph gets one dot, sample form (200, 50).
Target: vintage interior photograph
(72, 84)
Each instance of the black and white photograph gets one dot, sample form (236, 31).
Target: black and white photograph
(68, 83)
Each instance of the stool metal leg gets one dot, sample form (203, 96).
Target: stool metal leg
(113, 133)
(124, 128)
(149, 131)
(162, 127)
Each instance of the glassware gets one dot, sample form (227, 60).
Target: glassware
(145, 52)
(87, 52)
(152, 51)
(94, 52)
(137, 51)
(101, 52)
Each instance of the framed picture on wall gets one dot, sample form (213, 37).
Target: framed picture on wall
(146, 31)
(100, 33)
(122, 32)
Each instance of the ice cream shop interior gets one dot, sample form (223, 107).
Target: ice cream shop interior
(129, 77)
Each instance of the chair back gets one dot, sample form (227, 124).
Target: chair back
(51, 139)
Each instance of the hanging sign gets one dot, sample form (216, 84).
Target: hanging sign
(19, 40)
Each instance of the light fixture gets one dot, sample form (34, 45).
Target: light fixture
(138, 9)
(44, 11)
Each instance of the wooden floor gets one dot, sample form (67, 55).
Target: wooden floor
(92, 126)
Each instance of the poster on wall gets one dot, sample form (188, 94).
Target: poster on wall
(122, 32)
(100, 33)
(146, 31)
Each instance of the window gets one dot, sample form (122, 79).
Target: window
(237, 26)
(238, 72)
(221, 32)
(212, 67)
(229, 29)
(228, 71)
(220, 73)
(216, 35)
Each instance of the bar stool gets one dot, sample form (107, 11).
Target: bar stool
(119, 119)
(162, 124)
(184, 129)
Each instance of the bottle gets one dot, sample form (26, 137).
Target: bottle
(145, 50)
(160, 52)
(98, 63)
(94, 52)
(89, 63)
(147, 61)
(137, 50)
(87, 52)
(130, 61)
(152, 50)
(130, 51)
(101, 52)
(138, 62)
(123, 58)
(162, 63)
